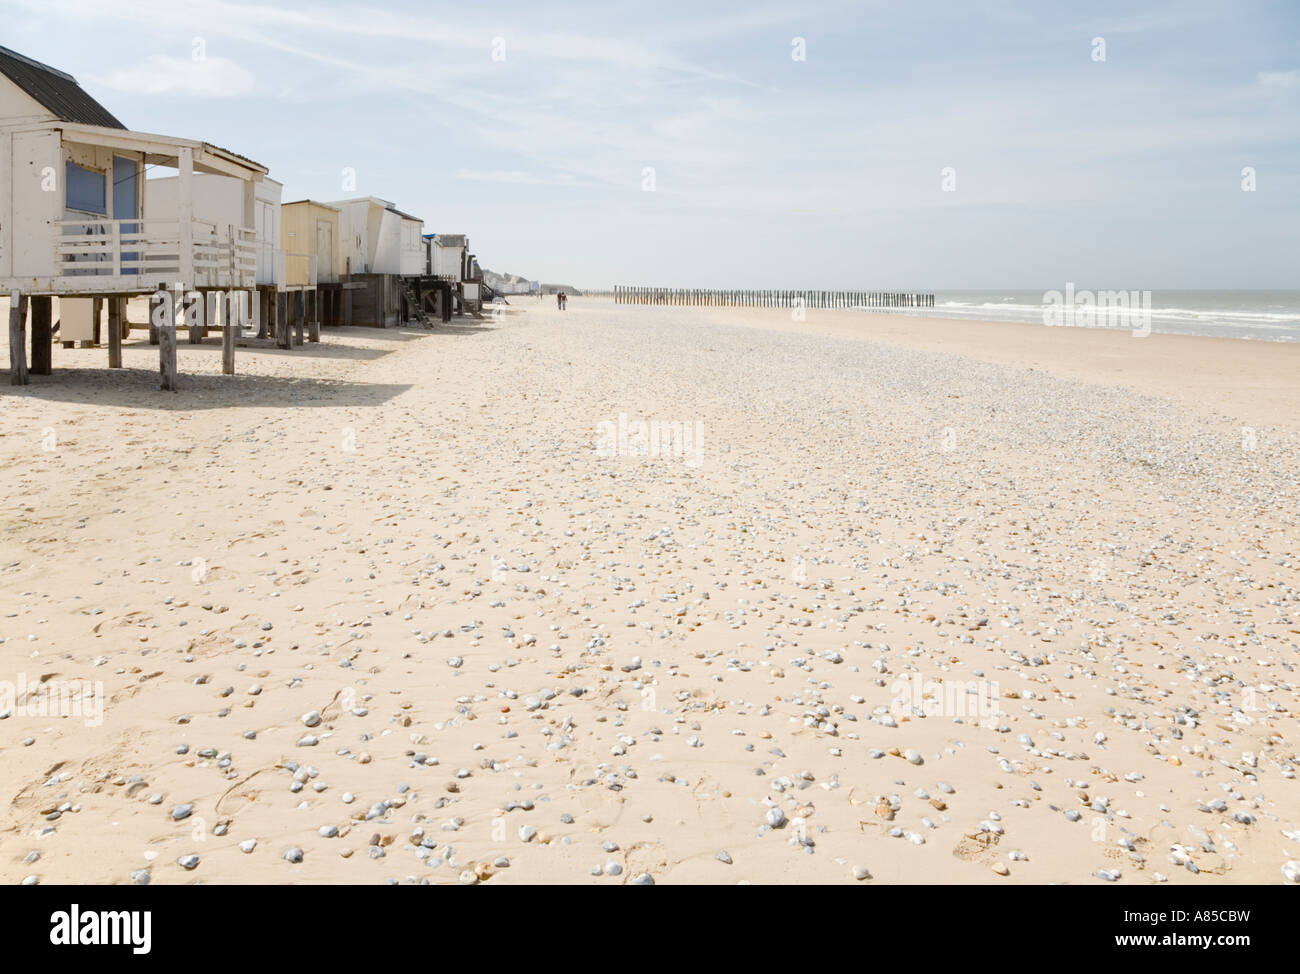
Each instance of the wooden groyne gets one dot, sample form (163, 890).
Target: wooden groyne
(713, 298)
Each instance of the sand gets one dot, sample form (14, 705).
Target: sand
(943, 602)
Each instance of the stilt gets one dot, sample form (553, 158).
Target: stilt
(298, 302)
(196, 311)
(116, 319)
(42, 306)
(229, 327)
(167, 356)
(281, 320)
(17, 339)
(262, 314)
(313, 315)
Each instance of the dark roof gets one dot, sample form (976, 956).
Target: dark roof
(57, 91)
(404, 216)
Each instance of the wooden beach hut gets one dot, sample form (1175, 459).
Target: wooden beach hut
(310, 232)
(379, 244)
(447, 257)
(219, 201)
(73, 218)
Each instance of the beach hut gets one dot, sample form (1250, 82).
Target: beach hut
(310, 232)
(446, 254)
(378, 245)
(447, 258)
(219, 201)
(73, 221)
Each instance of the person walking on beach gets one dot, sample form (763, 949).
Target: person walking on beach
(559, 300)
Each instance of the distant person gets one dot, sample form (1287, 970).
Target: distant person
(564, 301)
(559, 300)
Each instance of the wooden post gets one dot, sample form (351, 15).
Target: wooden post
(17, 339)
(228, 329)
(167, 351)
(42, 306)
(185, 211)
(196, 314)
(116, 315)
(281, 320)
(299, 321)
(313, 315)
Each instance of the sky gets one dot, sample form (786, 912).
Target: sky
(856, 145)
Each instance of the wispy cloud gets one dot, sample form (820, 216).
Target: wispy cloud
(1280, 79)
(158, 74)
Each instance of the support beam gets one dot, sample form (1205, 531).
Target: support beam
(116, 321)
(42, 334)
(17, 339)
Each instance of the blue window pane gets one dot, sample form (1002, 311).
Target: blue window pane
(86, 190)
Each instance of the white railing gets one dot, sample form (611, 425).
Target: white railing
(124, 250)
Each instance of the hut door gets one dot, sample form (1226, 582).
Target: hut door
(324, 250)
(266, 257)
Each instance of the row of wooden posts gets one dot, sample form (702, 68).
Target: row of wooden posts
(293, 313)
(692, 297)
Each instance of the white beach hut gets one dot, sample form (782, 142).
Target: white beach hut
(378, 246)
(73, 222)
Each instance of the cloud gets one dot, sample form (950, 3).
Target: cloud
(1280, 79)
(515, 176)
(206, 77)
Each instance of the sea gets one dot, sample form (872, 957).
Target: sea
(1272, 316)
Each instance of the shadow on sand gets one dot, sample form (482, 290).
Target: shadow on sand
(139, 389)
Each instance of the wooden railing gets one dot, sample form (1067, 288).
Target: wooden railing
(151, 248)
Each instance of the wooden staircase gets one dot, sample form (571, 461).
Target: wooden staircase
(414, 302)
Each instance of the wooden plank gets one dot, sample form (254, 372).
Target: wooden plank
(17, 339)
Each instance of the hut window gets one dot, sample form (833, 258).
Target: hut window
(87, 189)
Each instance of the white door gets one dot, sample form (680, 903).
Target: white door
(324, 251)
(265, 223)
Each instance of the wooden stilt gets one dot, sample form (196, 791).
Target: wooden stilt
(195, 314)
(281, 321)
(229, 328)
(116, 319)
(42, 306)
(17, 339)
(167, 357)
(299, 302)
(313, 315)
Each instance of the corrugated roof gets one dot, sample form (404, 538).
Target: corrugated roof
(57, 91)
(451, 239)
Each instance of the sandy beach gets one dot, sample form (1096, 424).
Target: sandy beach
(888, 600)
